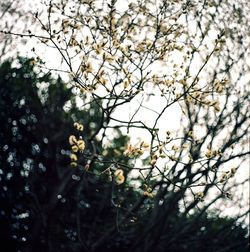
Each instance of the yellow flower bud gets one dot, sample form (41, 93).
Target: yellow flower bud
(233, 170)
(145, 145)
(73, 157)
(209, 154)
(140, 152)
(78, 126)
(119, 177)
(74, 148)
(81, 145)
(153, 161)
(72, 140)
(73, 164)
(119, 180)
(175, 148)
(118, 172)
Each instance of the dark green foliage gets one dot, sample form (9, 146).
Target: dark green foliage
(34, 146)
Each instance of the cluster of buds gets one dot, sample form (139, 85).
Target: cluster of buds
(66, 23)
(199, 196)
(168, 135)
(119, 177)
(108, 57)
(161, 153)
(78, 126)
(126, 83)
(158, 154)
(144, 45)
(215, 105)
(100, 78)
(197, 97)
(219, 86)
(226, 175)
(86, 67)
(73, 158)
(223, 177)
(73, 42)
(154, 159)
(233, 171)
(212, 153)
(175, 148)
(98, 47)
(76, 145)
(136, 151)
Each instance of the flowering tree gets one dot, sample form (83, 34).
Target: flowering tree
(136, 62)
(14, 15)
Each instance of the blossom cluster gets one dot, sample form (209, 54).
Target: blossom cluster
(77, 145)
(133, 151)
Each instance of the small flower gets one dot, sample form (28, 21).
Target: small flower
(73, 157)
(145, 145)
(81, 145)
(233, 170)
(119, 177)
(78, 126)
(135, 150)
(72, 140)
(128, 150)
(231, 173)
(154, 160)
(209, 154)
(140, 152)
(74, 148)
(175, 148)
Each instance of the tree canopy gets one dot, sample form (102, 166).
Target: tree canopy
(142, 142)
